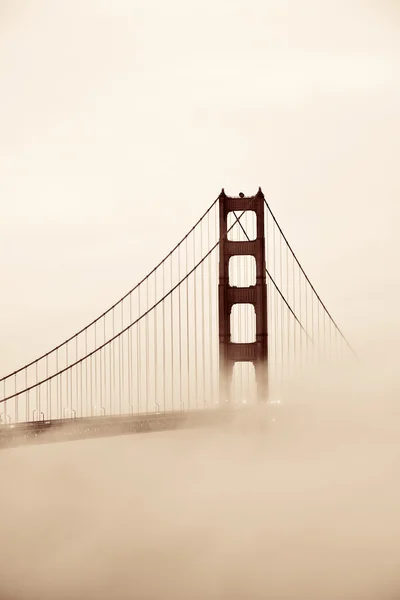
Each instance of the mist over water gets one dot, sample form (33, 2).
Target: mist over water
(120, 122)
(304, 508)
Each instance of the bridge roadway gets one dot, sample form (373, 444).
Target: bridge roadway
(61, 430)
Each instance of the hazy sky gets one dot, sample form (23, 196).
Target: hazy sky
(121, 120)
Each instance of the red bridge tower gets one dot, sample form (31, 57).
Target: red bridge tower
(255, 352)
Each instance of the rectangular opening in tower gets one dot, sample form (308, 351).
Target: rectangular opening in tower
(242, 271)
(244, 387)
(243, 324)
(242, 226)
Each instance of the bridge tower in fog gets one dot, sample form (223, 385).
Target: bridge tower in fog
(153, 360)
(230, 352)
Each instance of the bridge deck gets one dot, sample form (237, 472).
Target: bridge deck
(61, 430)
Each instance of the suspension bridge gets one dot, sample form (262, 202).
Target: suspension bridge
(220, 323)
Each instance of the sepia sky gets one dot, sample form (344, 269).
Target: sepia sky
(121, 120)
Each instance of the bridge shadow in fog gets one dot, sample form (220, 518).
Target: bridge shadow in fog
(308, 511)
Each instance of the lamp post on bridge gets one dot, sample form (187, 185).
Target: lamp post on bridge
(255, 352)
